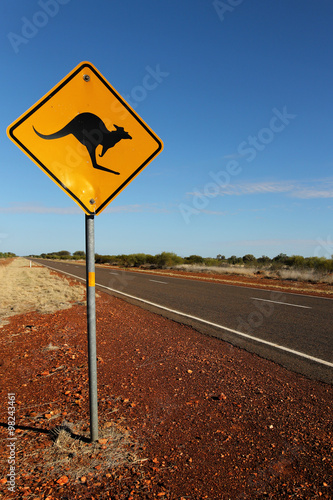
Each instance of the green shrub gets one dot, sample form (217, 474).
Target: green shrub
(168, 259)
(194, 259)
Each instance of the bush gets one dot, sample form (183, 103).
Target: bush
(235, 260)
(79, 254)
(168, 259)
(264, 260)
(249, 259)
(193, 259)
(6, 255)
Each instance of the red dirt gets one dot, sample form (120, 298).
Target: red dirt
(213, 421)
(5, 262)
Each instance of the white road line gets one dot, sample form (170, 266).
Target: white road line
(284, 303)
(116, 274)
(156, 281)
(241, 334)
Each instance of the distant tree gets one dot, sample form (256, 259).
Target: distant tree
(233, 259)
(139, 259)
(210, 261)
(6, 255)
(264, 260)
(249, 259)
(79, 253)
(168, 259)
(150, 259)
(194, 259)
(280, 258)
(63, 254)
(220, 257)
(295, 261)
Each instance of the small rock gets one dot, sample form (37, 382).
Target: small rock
(103, 441)
(63, 480)
(83, 479)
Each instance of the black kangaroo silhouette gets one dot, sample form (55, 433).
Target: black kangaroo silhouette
(90, 130)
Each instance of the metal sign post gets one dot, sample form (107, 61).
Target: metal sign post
(65, 135)
(91, 323)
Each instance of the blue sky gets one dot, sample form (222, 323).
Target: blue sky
(243, 106)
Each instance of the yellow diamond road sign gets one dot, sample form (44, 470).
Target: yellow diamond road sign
(86, 137)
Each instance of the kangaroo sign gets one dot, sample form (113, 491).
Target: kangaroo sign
(86, 138)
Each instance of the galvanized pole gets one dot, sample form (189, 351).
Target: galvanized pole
(91, 323)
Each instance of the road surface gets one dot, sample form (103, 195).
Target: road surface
(290, 329)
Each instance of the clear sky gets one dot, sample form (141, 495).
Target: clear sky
(243, 104)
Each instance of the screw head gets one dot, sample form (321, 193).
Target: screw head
(92, 201)
(86, 78)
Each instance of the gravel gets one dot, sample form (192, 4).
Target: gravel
(195, 417)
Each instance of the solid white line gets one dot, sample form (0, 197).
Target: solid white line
(156, 281)
(241, 334)
(284, 303)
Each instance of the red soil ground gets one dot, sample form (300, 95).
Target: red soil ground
(209, 420)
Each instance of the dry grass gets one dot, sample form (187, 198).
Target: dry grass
(51, 347)
(305, 275)
(25, 288)
(196, 268)
(70, 451)
(287, 274)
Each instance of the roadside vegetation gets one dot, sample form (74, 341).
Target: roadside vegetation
(294, 267)
(36, 288)
(7, 255)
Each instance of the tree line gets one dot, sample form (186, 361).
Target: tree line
(170, 259)
(6, 255)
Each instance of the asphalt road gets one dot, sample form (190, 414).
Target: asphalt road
(293, 330)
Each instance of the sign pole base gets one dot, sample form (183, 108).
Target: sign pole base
(91, 324)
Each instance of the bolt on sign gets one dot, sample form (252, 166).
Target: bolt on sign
(86, 138)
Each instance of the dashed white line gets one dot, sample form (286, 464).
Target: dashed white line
(156, 281)
(284, 303)
(216, 325)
